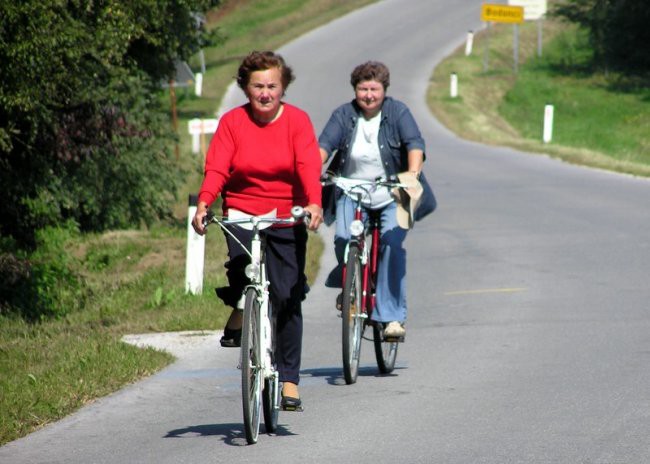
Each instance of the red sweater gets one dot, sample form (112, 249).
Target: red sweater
(259, 168)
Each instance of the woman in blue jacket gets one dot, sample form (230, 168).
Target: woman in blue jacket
(376, 136)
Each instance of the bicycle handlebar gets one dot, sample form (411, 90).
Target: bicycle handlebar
(297, 213)
(255, 222)
(349, 185)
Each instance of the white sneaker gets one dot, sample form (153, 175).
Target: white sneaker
(394, 329)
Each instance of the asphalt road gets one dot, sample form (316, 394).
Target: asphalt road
(529, 324)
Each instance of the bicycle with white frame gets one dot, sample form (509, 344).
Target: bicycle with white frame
(259, 375)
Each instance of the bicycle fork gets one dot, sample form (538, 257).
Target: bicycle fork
(371, 269)
(266, 337)
(362, 313)
(266, 347)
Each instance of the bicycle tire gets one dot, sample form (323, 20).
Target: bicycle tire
(353, 324)
(251, 374)
(271, 395)
(385, 351)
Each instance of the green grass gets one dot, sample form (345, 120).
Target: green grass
(52, 369)
(134, 281)
(600, 120)
(591, 111)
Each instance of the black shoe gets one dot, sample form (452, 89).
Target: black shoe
(290, 403)
(231, 338)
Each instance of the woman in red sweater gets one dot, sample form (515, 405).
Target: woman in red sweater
(264, 156)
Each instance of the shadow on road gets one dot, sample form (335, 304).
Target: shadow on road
(334, 375)
(232, 434)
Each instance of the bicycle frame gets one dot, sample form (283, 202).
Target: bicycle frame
(369, 257)
(256, 271)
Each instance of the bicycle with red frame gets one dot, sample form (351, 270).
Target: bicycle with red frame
(358, 298)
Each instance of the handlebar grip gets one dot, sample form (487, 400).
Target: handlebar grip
(207, 219)
(298, 212)
(327, 177)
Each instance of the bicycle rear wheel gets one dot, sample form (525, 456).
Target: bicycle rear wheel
(352, 316)
(385, 351)
(251, 374)
(271, 394)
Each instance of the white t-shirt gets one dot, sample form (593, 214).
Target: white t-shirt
(365, 161)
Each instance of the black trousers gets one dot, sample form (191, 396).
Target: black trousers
(286, 249)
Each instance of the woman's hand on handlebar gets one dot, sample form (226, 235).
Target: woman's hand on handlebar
(315, 216)
(197, 221)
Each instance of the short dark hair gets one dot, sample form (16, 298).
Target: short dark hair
(261, 61)
(371, 71)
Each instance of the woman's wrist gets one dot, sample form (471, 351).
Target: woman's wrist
(202, 207)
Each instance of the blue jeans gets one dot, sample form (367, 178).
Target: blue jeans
(391, 272)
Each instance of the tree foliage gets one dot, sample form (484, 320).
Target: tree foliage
(83, 134)
(618, 31)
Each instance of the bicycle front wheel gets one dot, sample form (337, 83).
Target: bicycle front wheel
(271, 404)
(251, 374)
(351, 313)
(385, 351)
(271, 395)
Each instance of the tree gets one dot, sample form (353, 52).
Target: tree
(629, 36)
(618, 31)
(83, 134)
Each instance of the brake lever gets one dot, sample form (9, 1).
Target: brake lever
(207, 219)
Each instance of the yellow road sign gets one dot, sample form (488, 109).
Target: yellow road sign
(502, 13)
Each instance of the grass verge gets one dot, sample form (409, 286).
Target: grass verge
(601, 120)
(134, 280)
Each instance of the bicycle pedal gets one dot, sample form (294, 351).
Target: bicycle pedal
(394, 339)
(293, 408)
(291, 404)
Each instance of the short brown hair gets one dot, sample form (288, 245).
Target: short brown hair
(371, 71)
(261, 61)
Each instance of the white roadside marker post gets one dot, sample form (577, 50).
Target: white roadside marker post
(195, 253)
(453, 85)
(548, 124)
(198, 84)
(469, 43)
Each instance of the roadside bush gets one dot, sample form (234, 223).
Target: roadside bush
(43, 284)
(618, 31)
(83, 135)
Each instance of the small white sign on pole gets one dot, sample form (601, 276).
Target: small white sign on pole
(202, 126)
(548, 124)
(196, 143)
(199, 127)
(533, 9)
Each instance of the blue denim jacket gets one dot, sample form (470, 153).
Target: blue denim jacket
(398, 133)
